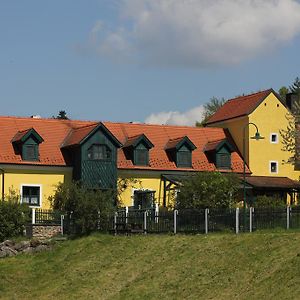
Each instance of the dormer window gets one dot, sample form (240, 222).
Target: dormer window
(137, 150)
(220, 153)
(26, 143)
(180, 150)
(99, 152)
(30, 152)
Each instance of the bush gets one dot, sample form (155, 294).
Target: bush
(208, 190)
(82, 207)
(267, 201)
(13, 217)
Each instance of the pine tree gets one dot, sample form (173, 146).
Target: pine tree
(295, 87)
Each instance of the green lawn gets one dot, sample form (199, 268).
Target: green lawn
(216, 266)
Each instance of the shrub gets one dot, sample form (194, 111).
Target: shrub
(13, 216)
(208, 190)
(267, 201)
(82, 206)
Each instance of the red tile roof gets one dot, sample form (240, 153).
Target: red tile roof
(272, 182)
(238, 107)
(213, 145)
(57, 133)
(20, 134)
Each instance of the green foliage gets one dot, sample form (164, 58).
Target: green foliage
(83, 206)
(210, 108)
(62, 115)
(13, 216)
(282, 92)
(208, 190)
(267, 201)
(295, 87)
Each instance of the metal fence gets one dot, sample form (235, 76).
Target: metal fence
(46, 217)
(205, 220)
(129, 221)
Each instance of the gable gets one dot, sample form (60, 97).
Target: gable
(239, 107)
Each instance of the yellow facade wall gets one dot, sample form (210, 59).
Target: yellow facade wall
(142, 181)
(270, 117)
(46, 179)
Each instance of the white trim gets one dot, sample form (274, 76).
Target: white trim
(270, 169)
(31, 185)
(277, 137)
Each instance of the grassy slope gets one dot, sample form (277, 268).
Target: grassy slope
(256, 266)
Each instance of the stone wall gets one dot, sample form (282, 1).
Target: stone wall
(43, 231)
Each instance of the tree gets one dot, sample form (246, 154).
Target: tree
(282, 92)
(295, 87)
(291, 135)
(208, 190)
(210, 108)
(62, 115)
(85, 209)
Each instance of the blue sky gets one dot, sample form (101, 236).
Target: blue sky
(137, 60)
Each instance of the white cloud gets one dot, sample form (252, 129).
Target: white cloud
(197, 33)
(188, 118)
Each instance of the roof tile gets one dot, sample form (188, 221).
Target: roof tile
(238, 107)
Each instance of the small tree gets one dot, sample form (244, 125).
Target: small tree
(282, 92)
(210, 108)
(13, 216)
(295, 87)
(62, 115)
(83, 206)
(208, 190)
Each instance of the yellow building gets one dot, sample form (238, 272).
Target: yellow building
(265, 113)
(145, 162)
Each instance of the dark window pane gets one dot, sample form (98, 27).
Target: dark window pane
(223, 161)
(143, 199)
(184, 159)
(273, 167)
(141, 157)
(99, 152)
(31, 195)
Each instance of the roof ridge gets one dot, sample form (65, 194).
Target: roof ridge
(249, 95)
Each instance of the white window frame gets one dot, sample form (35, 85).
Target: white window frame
(277, 139)
(270, 169)
(31, 185)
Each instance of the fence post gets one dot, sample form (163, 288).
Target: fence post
(156, 212)
(250, 218)
(115, 222)
(206, 220)
(126, 214)
(62, 224)
(145, 221)
(175, 220)
(288, 209)
(33, 216)
(98, 223)
(237, 224)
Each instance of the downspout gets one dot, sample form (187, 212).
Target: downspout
(2, 192)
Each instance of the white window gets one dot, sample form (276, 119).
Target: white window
(274, 138)
(31, 195)
(274, 167)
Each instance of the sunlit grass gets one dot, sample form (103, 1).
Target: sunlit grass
(261, 265)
